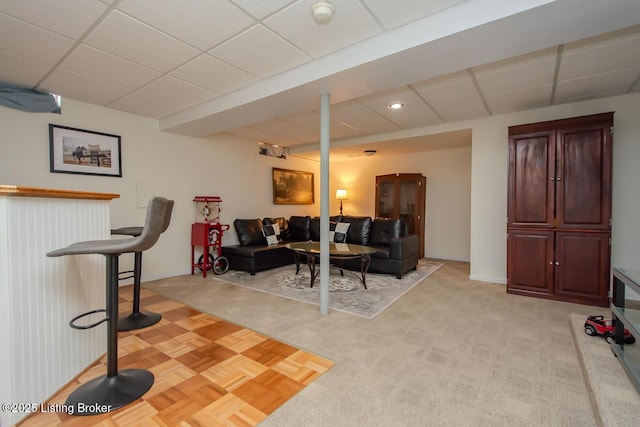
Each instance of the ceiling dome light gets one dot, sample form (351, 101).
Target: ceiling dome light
(322, 12)
(370, 152)
(395, 105)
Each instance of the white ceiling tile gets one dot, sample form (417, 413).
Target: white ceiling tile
(611, 53)
(393, 13)
(598, 85)
(100, 65)
(517, 73)
(32, 42)
(351, 23)
(201, 23)
(71, 18)
(211, 73)
(123, 36)
(519, 100)
(82, 88)
(20, 70)
(453, 98)
(289, 132)
(164, 96)
(359, 117)
(259, 9)
(260, 52)
(414, 114)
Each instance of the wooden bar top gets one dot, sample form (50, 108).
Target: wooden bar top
(14, 190)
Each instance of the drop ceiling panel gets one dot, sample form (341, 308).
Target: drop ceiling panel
(598, 85)
(164, 96)
(201, 23)
(290, 133)
(517, 74)
(350, 24)
(261, 9)
(213, 74)
(100, 65)
(393, 13)
(71, 18)
(580, 60)
(519, 100)
(21, 71)
(415, 113)
(361, 118)
(29, 41)
(82, 88)
(124, 36)
(260, 52)
(453, 98)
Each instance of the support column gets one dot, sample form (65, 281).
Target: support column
(324, 204)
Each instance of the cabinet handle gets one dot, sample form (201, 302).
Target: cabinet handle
(558, 179)
(550, 262)
(551, 179)
(557, 263)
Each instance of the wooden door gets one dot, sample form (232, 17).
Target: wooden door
(583, 183)
(531, 180)
(530, 262)
(582, 267)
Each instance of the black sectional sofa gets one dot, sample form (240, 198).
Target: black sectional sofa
(396, 251)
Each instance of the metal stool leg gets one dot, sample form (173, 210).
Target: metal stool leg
(137, 319)
(116, 389)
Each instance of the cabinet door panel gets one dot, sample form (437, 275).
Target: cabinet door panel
(530, 262)
(583, 189)
(531, 179)
(582, 273)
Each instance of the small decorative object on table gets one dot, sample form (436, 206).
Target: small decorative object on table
(598, 325)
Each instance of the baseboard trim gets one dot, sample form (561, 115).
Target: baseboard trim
(498, 280)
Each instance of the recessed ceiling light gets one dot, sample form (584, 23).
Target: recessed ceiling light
(395, 105)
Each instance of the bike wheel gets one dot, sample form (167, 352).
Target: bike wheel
(220, 265)
(209, 265)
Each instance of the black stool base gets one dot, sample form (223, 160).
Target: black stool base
(138, 320)
(105, 394)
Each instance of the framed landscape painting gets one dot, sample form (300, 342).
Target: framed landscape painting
(291, 187)
(84, 152)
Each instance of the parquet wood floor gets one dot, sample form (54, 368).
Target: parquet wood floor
(208, 372)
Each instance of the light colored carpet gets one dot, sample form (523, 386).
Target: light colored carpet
(346, 293)
(453, 353)
(613, 395)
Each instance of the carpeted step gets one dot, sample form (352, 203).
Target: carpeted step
(615, 400)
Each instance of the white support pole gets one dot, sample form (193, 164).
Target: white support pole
(324, 204)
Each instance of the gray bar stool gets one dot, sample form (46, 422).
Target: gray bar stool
(138, 319)
(115, 389)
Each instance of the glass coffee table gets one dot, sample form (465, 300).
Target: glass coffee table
(337, 251)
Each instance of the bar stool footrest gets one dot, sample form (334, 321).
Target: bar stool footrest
(105, 394)
(72, 322)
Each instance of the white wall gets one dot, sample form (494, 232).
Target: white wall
(180, 167)
(448, 205)
(177, 167)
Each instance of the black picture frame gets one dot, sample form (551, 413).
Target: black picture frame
(84, 152)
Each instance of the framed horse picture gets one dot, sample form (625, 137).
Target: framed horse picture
(84, 152)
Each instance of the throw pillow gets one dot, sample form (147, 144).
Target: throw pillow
(272, 233)
(338, 232)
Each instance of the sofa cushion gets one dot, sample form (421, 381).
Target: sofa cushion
(283, 224)
(314, 226)
(359, 230)
(338, 231)
(384, 229)
(249, 231)
(299, 228)
(272, 234)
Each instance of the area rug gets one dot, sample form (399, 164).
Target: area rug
(346, 293)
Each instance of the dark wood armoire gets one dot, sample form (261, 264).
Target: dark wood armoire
(559, 209)
(403, 195)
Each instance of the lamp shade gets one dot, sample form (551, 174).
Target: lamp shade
(341, 194)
